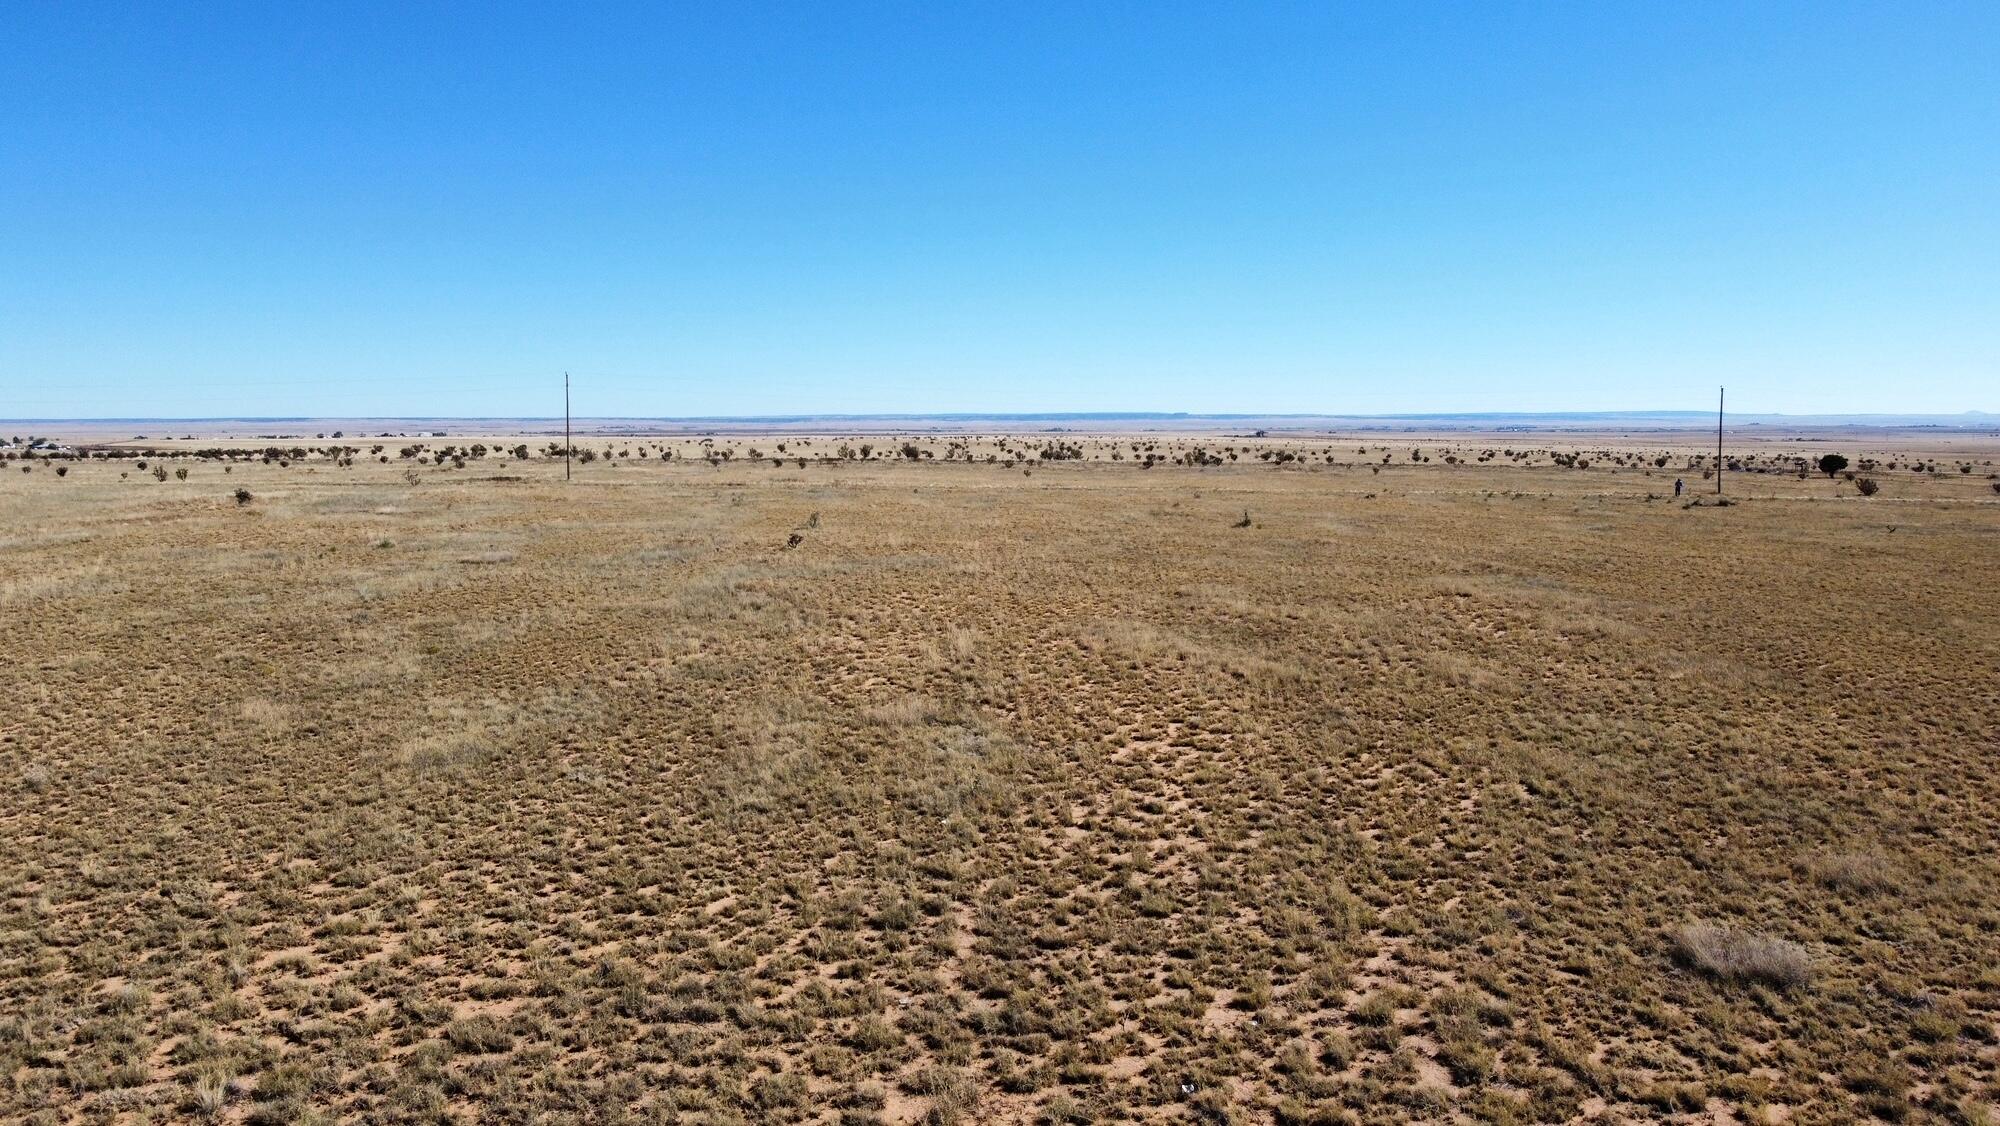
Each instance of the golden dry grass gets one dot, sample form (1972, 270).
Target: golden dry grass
(1063, 796)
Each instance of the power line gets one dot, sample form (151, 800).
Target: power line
(1718, 439)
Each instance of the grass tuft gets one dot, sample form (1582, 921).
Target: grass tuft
(1734, 955)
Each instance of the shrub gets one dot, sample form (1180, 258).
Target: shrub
(1855, 871)
(873, 1034)
(1831, 464)
(478, 1035)
(1742, 956)
(211, 1094)
(242, 496)
(1867, 486)
(286, 1080)
(1377, 1011)
(788, 1089)
(952, 1093)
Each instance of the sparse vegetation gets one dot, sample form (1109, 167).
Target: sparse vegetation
(1001, 798)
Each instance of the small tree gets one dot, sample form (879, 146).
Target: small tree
(1831, 464)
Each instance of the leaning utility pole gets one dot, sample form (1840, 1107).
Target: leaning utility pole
(566, 442)
(1718, 440)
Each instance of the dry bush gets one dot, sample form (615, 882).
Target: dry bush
(262, 712)
(1743, 956)
(1855, 871)
(447, 753)
(210, 1095)
(962, 643)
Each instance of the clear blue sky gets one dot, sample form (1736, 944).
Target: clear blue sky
(348, 209)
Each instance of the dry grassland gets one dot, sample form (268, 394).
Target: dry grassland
(1047, 793)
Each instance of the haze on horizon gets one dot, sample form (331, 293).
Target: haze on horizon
(369, 211)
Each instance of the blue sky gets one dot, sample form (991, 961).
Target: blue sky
(339, 209)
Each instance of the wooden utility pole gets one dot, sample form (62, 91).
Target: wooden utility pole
(566, 442)
(1718, 440)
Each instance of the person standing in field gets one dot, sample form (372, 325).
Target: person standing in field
(1678, 484)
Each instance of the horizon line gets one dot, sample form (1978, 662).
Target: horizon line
(1024, 416)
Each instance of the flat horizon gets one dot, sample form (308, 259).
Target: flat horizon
(1040, 416)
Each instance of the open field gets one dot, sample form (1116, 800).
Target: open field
(943, 788)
